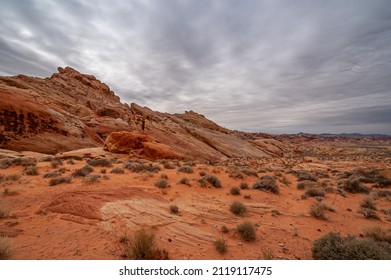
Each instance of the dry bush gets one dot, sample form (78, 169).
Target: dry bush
(211, 179)
(334, 247)
(5, 248)
(162, 183)
(267, 183)
(31, 171)
(369, 213)
(220, 245)
(137, 167)
(185, 181)
(234, 191)
(314, 192)
(55, 163)
(353, 186)
(143, 247)
(102, 162)
(60, 180)
(307, 184)
(92, 178)
(318, 211)
(249, 172)
(186, 169)
(267, 255)
(238, 208)
(168, 165)
(224, 229)
(368, 202)
(246, 231)
(378, 234)
(243, 186)
(51, 175)
(117, 170)
(83, 172)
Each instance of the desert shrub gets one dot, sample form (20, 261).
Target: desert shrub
(51, 175)
(318, 211)
(249, 172)
(243, 186)
(91, 178)
(163, 176)
(168, 165)
(224, 229)
(306, 184)
(83, 172)
(162, 183)
(267, 183)
(211, 179)
(71, 161)
(5, 248)
(117, 170)
(8, 178)
(103, 171)
(383, 193)
(246, 231)
(314, 192)
(60, 180)
(237, 208)
(31, 170)
(185, 169)
(285, 181)
(5, 163)
(353, 186)
(302, 175)
(174, 209)
(369, 213)
(139, 167)
(185, 181)
(333, 246)
(99, 162)
(25, 161)
(56, 163)
(234, 191)
(378, 234)
(143, 246)
(220, 245)
(202, 173)
(368, 202)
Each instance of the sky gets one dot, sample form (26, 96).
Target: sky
(276, 66)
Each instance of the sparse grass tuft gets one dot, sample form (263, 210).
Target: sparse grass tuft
(56, 163)
(246, 231)
(237, 208)
(220, 245)
(267, 255)
(143, 246)
(91, 178)
(168, 165)
(306, 184)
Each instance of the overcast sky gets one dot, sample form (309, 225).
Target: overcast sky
(272, 66)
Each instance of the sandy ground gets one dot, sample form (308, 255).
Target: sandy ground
(86, 220)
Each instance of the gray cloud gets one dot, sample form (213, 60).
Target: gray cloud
(274, 66)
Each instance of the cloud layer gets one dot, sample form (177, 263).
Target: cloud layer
(274, 66)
